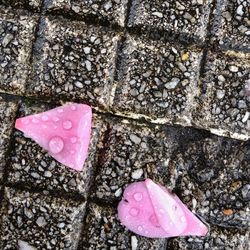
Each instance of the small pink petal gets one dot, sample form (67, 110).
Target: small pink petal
(54, 130)
(151, 210)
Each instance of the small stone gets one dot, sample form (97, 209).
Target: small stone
(246, 192)
(41, 222)
(137, 174)
(159, 14)
(134, 243)
(220, 94)
(134, 138)
(228, 212)
(78, 84)
(233, 69)
(172, 84)
(118, 192)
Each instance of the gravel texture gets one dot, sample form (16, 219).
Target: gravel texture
(169, 83)
(112, 11)
(74, 61)
(39, 220)
(16, 37)
(7, 116)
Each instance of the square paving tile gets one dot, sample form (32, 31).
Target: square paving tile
(217, 239)
(31, 166)
(74, 61)
(132, 153)
(103, 230)
(26, 4)
(188, 18)
(7, 116)
(157, 80)
(17, 33)
(231, 24)
(39, 220)
(112, 11)
(214, 180)
(224, 105)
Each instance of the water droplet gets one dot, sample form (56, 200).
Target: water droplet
(67, 125)
(72, 152)
(73, 139)
(55, 119)
(34, 120)
(153, 219)
(138, 196)
(73, 107)
(139, 228)
(45, 118)
(56, 144)
(134, 211)
(60, 110)
(44, 126)
(183, 219)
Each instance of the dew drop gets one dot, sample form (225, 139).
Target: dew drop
(56, 144)
(44, 126)
(134, 211)
(67, 125)
(161, 211)
(153, 219)
(183, 219)
(73, 139)
(72, 152)
(73, 107)
(60, 110)
(45, 118)
(55, 119)
(34, 120)
(139, 228)
(138, 196)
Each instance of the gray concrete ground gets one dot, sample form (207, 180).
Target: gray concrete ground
(166, 80)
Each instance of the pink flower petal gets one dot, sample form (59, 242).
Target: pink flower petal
(64, 132)
(151, 210)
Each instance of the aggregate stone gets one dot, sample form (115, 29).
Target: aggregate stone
(31, 166)
(27, 4)
(213, 176)
(7, 116)
(125, 160)
(103, 230)
(112, 11)
(217, 239)
(231, 24)
(73, 60)
(224, 105)
(188, 18)
(17, 33)
(157, 80)
(35, 218)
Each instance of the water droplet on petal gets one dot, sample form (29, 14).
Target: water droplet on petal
(161, 211)
(67, 125)
(139, 228)
(34, 120)
(72, 151)
(45, 118)
(174, 207)
(56, 144)
(73, 107)
(73, 139)
(138, 196)
(134, 211)
(153, 219)
(44, 126)
(183, 219)
(60, 110)
(55, 119)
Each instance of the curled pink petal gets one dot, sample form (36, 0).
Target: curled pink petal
(151, 210)
(64, 132)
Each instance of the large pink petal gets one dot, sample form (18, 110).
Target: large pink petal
(64, 132)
